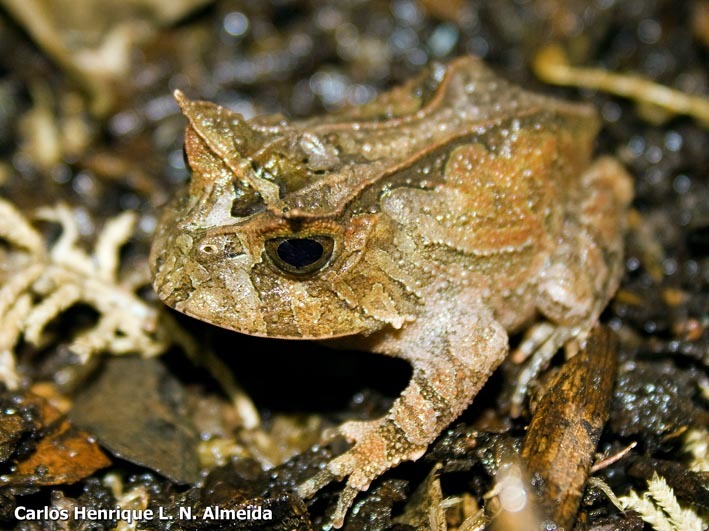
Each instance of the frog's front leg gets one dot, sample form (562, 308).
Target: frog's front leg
(453, 352)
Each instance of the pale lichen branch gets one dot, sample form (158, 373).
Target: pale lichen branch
(44, 280)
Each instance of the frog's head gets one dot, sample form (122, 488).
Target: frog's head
(240, 248)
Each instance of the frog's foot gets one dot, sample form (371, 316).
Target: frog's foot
(379, 446)
(540, 344)
(534, 338)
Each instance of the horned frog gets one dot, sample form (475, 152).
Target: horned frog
(427, 224)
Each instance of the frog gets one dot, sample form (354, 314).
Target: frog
(429, 224)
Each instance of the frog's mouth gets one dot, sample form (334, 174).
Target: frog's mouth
(281, 308)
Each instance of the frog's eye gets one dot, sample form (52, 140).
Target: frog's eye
(300, 256)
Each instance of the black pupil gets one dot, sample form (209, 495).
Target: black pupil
(300, 252)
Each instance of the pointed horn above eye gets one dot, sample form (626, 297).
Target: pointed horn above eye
(227, 135)
(182, 100)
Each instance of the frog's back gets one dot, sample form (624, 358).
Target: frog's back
(407, 136)
(476, 169)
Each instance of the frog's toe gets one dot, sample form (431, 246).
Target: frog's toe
(344, 503)
(539, 345)
(357, 430)
(533, 339)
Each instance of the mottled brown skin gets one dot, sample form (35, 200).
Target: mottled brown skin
(449, 211)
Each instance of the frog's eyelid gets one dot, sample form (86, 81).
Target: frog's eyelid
(186, 160)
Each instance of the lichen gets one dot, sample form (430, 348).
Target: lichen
(42, 280)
